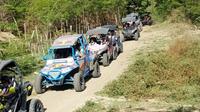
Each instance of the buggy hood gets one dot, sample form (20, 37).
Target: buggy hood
(59, 65)
(96, 48)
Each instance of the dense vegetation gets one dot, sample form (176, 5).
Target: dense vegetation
(51, 14)
(81, 14)
(36, 22)
(189, 8)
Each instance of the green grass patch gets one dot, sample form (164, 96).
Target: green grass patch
(173, 75)
(91, 106)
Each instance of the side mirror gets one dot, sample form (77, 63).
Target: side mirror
(44, 58)
(76, 56)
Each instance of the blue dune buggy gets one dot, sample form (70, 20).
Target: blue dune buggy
(68, 62)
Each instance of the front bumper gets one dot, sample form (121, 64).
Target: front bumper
(129, 33)
(58, 81)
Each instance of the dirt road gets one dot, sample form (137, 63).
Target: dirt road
(68, 100)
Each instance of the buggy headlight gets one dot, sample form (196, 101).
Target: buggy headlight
(54, 74)
(12, 90)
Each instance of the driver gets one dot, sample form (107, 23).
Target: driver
(104, 39)
(7, 92)
(93, 40)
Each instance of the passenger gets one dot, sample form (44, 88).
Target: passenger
(126, 25)
(104, 39)
(93, 39)
(79, 51)
(130, 23)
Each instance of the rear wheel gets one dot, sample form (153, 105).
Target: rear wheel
(79, 82)
(39, 88)
(96, 72)
(106, 60)
(35, 105)
(115, 53)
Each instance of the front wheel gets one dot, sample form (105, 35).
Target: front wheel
(115, 53)
(96, 71)
(122, 38)
(121, 48)
(140, 26)
(35, 105)
(39, 88)
(137, 34)
(79, 81)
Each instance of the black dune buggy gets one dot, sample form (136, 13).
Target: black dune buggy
(14, 92)
(146, 19)
(113, 30)
(102, 42)
(132, 26)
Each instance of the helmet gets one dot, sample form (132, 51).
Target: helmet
(93, 39)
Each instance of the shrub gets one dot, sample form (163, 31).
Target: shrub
(20, 52)
(28, 64)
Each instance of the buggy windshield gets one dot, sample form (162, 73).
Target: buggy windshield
(62, 53)
(59, 53)
(98, 39)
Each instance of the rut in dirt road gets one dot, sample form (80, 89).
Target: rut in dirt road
(68, 100)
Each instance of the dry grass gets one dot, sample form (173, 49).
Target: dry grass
(179, 47)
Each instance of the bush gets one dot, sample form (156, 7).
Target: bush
(20, 52)
(28, 64)
(14, 48)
